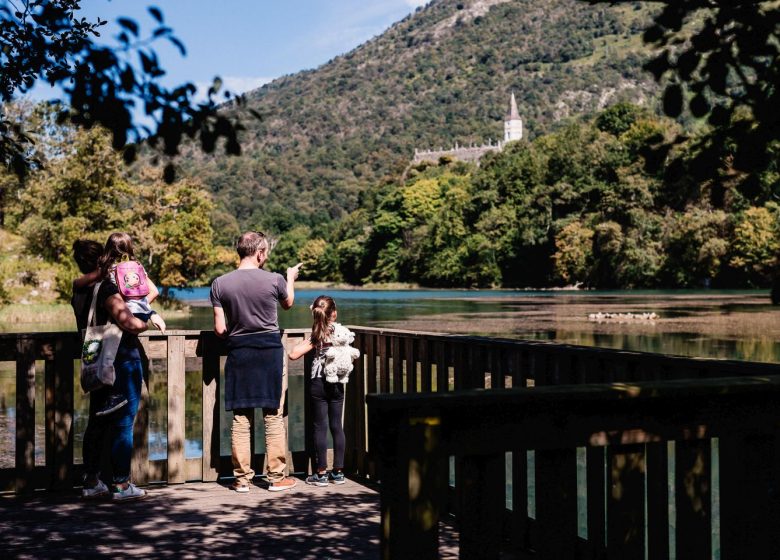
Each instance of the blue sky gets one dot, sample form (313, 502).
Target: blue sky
(250, 42)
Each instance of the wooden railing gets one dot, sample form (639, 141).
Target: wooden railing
(392, 362)
(625, 429)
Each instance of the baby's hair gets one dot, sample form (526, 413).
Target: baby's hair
(118, 245)
(321, 310)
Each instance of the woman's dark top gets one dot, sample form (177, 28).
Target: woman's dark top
(82, 299)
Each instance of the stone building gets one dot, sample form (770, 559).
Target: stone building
(513, 130)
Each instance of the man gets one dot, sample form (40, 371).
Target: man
(244, 304)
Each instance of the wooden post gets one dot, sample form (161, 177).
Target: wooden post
(556, 503)
(425, 350)
(384, 374)
(176, 410)
(625, 502)
(308, 415)
(59, 413)
(412, 491)
(25, 414)
(595, 481)
(657, 501)
(411, 365)
(139, 467)
(210, 461)
(692, 498)
(398, 360)
(481, 491)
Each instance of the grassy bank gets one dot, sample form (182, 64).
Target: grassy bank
(38, 317)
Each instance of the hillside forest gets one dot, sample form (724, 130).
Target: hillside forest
(586, 205)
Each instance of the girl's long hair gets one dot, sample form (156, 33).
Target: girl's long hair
(118, 245)
(321, 310)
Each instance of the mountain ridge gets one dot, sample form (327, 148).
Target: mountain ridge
(442, 74)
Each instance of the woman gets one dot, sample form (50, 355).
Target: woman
(129, 376)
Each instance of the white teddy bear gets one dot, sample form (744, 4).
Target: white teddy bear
(339, 357)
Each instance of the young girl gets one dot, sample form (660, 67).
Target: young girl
(327, 398)
(119, 247)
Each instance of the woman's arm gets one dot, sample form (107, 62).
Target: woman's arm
(87, 279)
(300, 349)
(125, 320)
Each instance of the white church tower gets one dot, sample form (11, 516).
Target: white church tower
(513, 125)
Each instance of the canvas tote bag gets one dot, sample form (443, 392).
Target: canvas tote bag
(99, 350)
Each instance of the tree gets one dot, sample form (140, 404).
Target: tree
(756, 243)
(574, 244)
(46, 40)
(721, 59)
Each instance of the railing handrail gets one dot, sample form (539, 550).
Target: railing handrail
(412, 436)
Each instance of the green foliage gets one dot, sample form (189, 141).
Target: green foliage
(756, 244)
(574, 251)
(48, 40)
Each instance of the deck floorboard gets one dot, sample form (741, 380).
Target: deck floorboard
(200, 520)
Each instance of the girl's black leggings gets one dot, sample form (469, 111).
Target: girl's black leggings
(327, 403)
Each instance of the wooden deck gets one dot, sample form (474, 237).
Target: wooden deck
(200, 520)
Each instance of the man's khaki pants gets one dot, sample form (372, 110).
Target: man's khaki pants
(275, 440)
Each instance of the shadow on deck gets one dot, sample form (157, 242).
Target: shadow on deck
(198, 520)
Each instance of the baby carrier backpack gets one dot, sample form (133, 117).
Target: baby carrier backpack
(131, 279)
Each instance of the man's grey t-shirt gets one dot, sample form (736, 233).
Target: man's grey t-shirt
(249, 296)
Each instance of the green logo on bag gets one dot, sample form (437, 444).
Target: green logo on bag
(90, 351)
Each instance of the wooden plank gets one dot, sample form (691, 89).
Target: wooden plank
(176, 410)
(59, 413)
(210, 428)
(625, 502)
(519, 521)
(308, 415)
(495, 363)
(425, 349)
(595, 482)
(384, 373)
(139, 466)
(371, 384)
(692, 498)
(657, 501)
(556, 502)
(412, 490)
(411, 365)
(481, 496)
(459, 366)
(442, 367)
(749, 501)
(358, 389)
(515, 365)
(398, 364)
(25, 414)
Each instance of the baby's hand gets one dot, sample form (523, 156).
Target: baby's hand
(158, 322)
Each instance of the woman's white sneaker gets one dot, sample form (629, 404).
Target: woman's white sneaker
(97, 491)
(132, 492)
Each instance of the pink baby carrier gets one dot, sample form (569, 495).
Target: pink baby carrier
(131, 279)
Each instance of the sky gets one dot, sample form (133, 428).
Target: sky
(249, 42)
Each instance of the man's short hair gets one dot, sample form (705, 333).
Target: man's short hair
(250, 243)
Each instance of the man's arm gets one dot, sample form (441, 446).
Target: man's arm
(292, 275)
(220, 325)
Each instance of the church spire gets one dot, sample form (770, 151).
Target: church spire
(514, 114)
(513, 125)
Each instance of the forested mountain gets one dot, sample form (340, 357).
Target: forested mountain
(441, 75)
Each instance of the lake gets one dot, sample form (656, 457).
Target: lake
(740, 325)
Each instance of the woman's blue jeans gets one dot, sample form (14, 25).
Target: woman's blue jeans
(118, 425)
